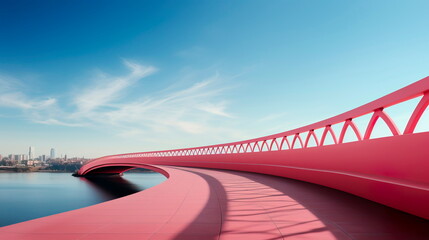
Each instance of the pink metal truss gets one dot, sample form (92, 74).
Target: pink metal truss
(390, 170)
(376, 107)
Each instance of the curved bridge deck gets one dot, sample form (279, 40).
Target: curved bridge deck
(197, 203)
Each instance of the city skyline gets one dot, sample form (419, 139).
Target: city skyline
(154, 76)
(51, 154)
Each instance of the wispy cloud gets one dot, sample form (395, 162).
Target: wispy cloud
(52, 121)
(216, 109)
(105, 103)
(108, 89)
(11, 96)
(8, 83)
(178, 110)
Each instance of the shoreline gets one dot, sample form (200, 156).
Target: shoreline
(5, 169)
(35, 169)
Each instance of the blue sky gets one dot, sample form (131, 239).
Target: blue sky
(91, 78)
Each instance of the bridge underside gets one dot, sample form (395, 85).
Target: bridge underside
(209, 204)
(111, 170)
(119, 169)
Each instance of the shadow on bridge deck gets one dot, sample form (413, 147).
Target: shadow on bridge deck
(257, 206)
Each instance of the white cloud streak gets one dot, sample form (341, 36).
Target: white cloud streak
(108, 90)
(216, 109)
(11, 96)
(52, 121)
(104, 104)
(181, 110)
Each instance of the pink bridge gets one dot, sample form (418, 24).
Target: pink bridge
(249, 189)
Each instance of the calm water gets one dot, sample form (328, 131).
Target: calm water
(25, 196)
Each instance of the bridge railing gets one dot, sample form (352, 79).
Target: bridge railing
(293, 139)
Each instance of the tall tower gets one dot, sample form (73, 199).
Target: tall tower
(52, 155)
(31, 153)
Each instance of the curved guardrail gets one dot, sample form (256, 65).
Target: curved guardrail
(290, 139)
(390, 170)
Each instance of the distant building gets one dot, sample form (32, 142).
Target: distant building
(18, 157)
(43, 158)
(52, 156)
(31, 153)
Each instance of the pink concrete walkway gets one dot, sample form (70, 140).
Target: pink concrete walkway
(214, 204)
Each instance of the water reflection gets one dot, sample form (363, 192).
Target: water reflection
(25, 196)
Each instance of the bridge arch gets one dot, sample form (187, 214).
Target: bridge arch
(349, 123)
(112, 168)
(379, 113)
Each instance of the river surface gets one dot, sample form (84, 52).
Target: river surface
(25, 196)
